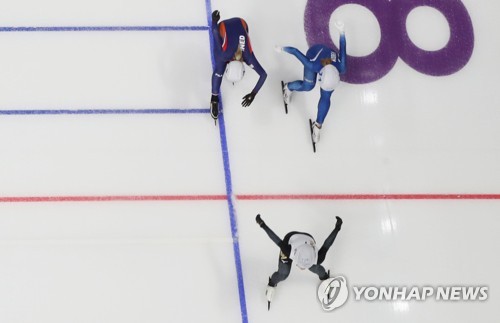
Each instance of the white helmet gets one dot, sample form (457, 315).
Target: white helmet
(305, 256)
(235, 71)
(329, 78)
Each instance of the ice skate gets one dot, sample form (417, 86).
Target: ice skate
(316, 127)
(214, 107)
(311, 126)
(287, 94)
(269, 295)
(214, 110)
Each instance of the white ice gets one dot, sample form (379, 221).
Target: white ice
(173, 261)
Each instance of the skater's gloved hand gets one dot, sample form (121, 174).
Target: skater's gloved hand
(248, 99)
(289, 49)
(215, 16)
(278, 49)
(339, 24)
(339, 223)
(260, 222)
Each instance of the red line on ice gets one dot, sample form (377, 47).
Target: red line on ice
(370, 197)
(249, 197)
(110, 198)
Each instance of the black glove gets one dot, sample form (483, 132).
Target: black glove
(215, 16)
(260, 222)
(248, 99)
(339, 223)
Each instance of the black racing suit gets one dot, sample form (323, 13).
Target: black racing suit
(285, 263)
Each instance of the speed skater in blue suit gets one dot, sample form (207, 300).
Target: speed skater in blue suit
(232, 48)
(323, 63)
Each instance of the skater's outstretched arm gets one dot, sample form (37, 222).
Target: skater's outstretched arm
(252, 61)
(341, 66)
(301, 57)
(220, 65)
(341, 63)
(329, 241)
(277, 240)
(215, 30)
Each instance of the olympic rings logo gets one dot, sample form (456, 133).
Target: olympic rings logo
(394, 41)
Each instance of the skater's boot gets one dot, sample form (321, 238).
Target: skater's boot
(269, 295)
(287, 94)
(315, 132)
(214, 106)
(271, 287)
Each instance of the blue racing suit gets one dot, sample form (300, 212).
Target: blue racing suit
(313, 62)
(229, 36)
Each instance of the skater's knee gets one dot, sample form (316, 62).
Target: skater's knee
(278, 277)
(308, 85)
(283, 276)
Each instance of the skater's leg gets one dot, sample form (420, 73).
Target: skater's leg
(307, 84)
(323, 106)
(284, 267)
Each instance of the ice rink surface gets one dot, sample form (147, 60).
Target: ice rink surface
(120, 201)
